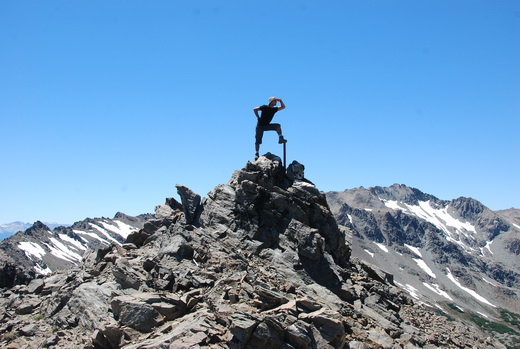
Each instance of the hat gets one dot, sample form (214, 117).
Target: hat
(271, 99)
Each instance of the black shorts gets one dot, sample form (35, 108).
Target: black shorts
(260, 131)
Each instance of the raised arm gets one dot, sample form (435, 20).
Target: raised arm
(282, 105)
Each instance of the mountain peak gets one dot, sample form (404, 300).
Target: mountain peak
(37, 226)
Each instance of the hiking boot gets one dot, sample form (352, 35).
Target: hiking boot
(282, 140)
(256, 156)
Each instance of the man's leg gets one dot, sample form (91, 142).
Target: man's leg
(258, 140)
(281, 140)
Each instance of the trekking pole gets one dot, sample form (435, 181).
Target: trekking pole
(284, 156)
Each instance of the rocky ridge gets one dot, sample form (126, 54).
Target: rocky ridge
(12, 228)
(40, 250)
(511, 214)
(259, 263)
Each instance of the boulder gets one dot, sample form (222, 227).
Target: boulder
(27, 306)
(135, 314)
(295, 171)
(35, 286)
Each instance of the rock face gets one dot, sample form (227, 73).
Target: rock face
(262, 264)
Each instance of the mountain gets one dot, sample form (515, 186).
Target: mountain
(9, 229)
(457, 256)
(511, 214)
(40, 250)
(260, 263)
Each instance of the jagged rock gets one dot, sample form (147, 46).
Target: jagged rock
(163, 211)
(295, 171)
(268, 334)
(329, 325)
(298, 336)
(190, 204)
(376, 273)
(242, 327)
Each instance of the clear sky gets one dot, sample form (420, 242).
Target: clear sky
(106, 105)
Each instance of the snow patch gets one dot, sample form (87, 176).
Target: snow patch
(92, 235)
(469, 291)
(394, 205)
(43, 271)
(104, 232)
(370, 253)
(438, 217)
(422, 264)
(488, 246)
(382, 247)
(461, 309)
(482, 314)
(489, 282)
(61, 251)
(435, 288)
(412, 291)
(72, 241)
(122, 228)
(31, 249)
(414, 250)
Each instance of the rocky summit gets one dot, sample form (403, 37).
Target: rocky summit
(259, 263)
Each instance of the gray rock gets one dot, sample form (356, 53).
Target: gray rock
(380, 338)
(28, 306)
(36, 286)
(242, 327)
(164, 211)
(268, 334)
(329, 324)
(190, 204)
(295, 171)
(29, 330)
(298, 336)
(357, 345)
(90, 302)
(135, 314)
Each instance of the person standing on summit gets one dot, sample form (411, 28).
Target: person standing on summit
(264, 122)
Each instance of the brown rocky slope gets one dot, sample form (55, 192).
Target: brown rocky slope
(260, 263)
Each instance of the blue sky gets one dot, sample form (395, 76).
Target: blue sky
(106, 105)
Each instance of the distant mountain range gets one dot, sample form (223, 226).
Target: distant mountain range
(41, 249)
(9, 229)
(456, 256)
